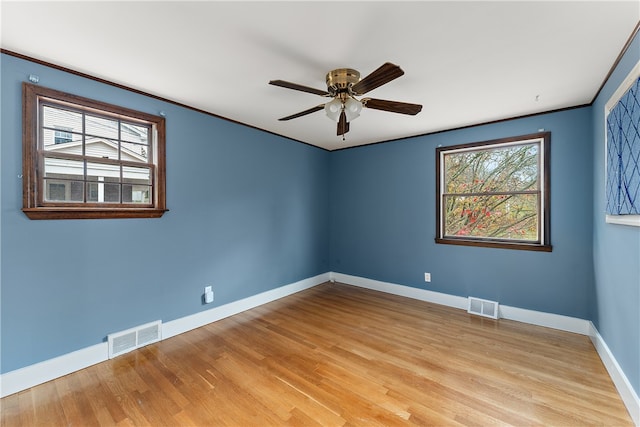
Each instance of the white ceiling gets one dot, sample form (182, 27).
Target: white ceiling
(465, 62)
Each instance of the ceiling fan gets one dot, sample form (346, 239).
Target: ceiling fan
(343, 85)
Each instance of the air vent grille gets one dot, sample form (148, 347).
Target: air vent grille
(483, 307)
(125, 341)
(148, 335)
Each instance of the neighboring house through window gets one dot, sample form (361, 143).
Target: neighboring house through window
(495, 193)
(87, 159)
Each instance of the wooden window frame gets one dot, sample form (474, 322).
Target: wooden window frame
(34, 204)
(544, 212)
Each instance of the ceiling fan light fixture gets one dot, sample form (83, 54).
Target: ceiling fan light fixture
(333, 109)
(352, 108)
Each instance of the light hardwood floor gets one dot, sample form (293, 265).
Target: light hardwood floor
(339, 355)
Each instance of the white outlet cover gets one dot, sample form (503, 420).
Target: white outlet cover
(427, 277)
(208, 296)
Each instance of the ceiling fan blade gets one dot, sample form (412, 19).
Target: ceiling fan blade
(343, 124)
(303, 113)
(392, 106)
(384, 74)
(296, 86)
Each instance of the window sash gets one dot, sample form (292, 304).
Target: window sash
(486, 230)
(91, 161)
(124, 180)
(84, 134)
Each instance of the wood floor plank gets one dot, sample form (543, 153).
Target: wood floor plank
(337, 355)
(49, 411)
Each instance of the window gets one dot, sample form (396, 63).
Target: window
(495, 193)
(87, 159)
(622, 152)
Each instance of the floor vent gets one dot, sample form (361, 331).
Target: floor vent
(125, 341)
(483, 307)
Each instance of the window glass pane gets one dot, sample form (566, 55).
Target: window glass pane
(510, 217)
(53, 117)
(62, 141)
(623, 154)
(511, 168)
(135, 133)
(135, 175)
(55, 190)
(93, 192)
(136, 193)
(100, 126)
(77, 188)
(103, 172)
(63, 168)
(112, 193)
(135, 152)
(103, 148)
(63, 191)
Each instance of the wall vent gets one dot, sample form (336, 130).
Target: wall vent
(483, 307)
(125, 341)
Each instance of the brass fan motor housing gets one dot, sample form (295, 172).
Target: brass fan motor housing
(341, 79)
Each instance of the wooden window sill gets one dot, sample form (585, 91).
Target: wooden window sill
(497, 245)
(92, 213)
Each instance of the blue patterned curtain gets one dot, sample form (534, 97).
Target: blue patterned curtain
(623, 154)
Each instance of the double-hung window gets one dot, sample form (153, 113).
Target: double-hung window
(495, 193)
(87, 159)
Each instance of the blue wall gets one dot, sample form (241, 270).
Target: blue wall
(616, 250)
(250, 211)
(247, 214)
(383, 220)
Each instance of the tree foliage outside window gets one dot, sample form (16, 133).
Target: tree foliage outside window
(495, 193)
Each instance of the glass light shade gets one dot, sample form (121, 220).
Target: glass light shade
(352, 108)
(333, 109)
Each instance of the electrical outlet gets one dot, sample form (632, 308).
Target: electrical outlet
(427, 277)
(208, 295)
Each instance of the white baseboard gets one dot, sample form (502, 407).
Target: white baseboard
(549, 320)
(202, 318)
(38, 373)
(620, 380)
(402, 290)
